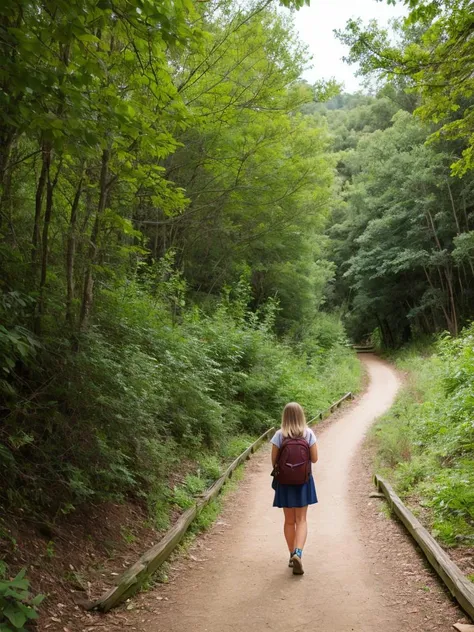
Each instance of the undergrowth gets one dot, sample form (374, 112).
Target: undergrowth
(203, 522)
(425, 443)
(18, 606)
(150, 403)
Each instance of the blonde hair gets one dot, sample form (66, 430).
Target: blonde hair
(293, 421)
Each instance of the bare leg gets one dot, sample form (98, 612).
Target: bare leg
(290, 527)
(301, 526)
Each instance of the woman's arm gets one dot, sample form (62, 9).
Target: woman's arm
(313, 453)
(275, 451)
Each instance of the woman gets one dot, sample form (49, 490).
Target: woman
(294, 499)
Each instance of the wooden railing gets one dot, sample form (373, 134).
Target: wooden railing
(459, 586)
(325, 413)
(150, 561)
(364, 348)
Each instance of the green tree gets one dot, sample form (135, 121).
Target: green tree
(162, 198)
(435, 53)
(399, 235)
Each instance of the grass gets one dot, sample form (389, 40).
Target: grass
(127, 535)
(425, 443)
(207, 468)
(386, 510)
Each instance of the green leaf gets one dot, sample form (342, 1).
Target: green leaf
(19, 581)
(15, 616)
(36, 601)
(88, 37)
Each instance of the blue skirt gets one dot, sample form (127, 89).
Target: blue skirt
(295, 495)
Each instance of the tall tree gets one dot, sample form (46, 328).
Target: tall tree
(398, 232)
(435, 53)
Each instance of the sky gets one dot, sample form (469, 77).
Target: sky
(316, 23)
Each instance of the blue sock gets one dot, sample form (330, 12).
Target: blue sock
(298, 552)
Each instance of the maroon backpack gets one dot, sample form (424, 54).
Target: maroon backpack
(294, 462)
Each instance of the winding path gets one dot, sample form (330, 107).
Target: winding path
(238, 580)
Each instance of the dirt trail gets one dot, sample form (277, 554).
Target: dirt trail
(239, 580)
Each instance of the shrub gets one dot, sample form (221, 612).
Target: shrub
(210, 467)
(17, 605)
(146, 389)
(427, 439)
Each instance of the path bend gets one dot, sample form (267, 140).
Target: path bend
(241, 581)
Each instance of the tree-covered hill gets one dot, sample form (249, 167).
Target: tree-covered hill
(401, 224)
(402, 230)
(402, 238)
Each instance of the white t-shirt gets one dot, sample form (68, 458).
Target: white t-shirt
(309, 435)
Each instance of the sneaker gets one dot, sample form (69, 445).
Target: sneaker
(297, 565)
(290, 562)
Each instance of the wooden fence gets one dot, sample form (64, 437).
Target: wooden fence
(150, 561)
(364, 348)
(325, 413)
(459, 586)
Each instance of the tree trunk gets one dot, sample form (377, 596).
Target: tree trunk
(44, 175)
(458, 227)
(425, 324)
(387, 338)
(433, 228)
(466, 218)
(71, 251)
(6, 142)
(50, 186)
(88, 293)
(8, 131)
(6, 200)
(454, 318)
(390, 337)
(446, 315)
